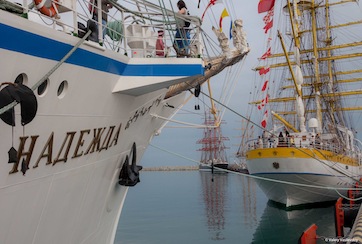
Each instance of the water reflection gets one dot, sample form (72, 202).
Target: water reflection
(279, 226)
(214, 192)
(223, 193)
(249, 196)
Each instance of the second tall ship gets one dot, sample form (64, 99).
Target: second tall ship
(308, 150)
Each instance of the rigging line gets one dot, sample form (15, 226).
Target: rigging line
(211, 41)
(180, 122)
(231, 13)
(50, 72)
(173, 153)
(234, 83)
(202, 101)
(230, 92)
(254, 176)
(332, 167)
(347, 198)
(182, 127)
(174, 113)
(124, 9)
(227, 86)
(317, 159)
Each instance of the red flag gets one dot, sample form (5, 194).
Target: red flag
(268, 16)
(264, 86)
(265, 5)
(268, 26)
(265, 118)
(267, 54)
(264, 70)
(263, 102)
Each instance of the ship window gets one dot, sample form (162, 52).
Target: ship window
(43, 88)
(63, 87)
(21, 79)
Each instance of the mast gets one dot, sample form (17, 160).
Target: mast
(316, 67)
(322, 64)
(213, 147)
(298, 78)
(329, 62)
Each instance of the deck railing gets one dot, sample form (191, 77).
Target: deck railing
(133, 33)
(290, 142)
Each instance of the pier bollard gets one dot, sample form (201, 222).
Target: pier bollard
(339, 217)
(309, 236)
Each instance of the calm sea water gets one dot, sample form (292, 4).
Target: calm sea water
(198, 207)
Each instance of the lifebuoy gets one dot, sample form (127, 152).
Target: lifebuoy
(51, 11)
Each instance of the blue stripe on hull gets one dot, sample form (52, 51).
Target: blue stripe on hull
(35, 45)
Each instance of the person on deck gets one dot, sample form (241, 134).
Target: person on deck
(281, 140)
(260, 142)
(160, 45)
(286, 136)
(105, 6)
(182, 34)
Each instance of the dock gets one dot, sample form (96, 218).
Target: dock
(171, 168)
(355, 236)
(232, 167)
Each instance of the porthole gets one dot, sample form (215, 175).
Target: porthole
(43, 88)
(62, 89)
(21, 79)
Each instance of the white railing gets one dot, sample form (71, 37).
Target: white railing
(289, 142)
(127, 32)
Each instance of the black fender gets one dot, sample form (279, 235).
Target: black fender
(23, 95)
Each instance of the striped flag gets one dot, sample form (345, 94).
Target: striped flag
(263, 102)
(223, 15)
(211, 3)
(265, 119)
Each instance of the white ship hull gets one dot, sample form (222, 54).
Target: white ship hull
(299, 180)
(76, 144)
(95, 105)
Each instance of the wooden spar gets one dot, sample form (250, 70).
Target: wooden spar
(288, 99)
(286, 123)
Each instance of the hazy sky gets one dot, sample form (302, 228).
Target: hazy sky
(183, 141)
(253, 25)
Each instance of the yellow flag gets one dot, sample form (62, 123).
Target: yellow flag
(223, 15)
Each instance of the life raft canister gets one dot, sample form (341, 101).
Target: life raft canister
(51, 11)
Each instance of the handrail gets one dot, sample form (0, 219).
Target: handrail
(322, 145)
(155, 17)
